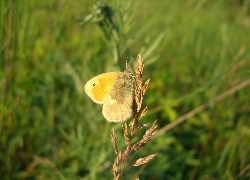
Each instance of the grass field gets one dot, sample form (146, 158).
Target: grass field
(196, 53)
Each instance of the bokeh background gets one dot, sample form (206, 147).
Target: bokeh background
(194, 51)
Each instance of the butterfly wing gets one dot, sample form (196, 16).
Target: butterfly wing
(98, 87)
(117, 105)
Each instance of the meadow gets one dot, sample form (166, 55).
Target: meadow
(196, 54)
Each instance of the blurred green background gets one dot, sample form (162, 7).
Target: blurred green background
(194, 51)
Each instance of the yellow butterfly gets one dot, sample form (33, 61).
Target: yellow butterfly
(115, 91)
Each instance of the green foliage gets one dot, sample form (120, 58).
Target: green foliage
(194, 51)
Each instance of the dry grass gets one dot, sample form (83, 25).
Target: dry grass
(125, 157)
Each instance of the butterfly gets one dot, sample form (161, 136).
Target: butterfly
(114, 90)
